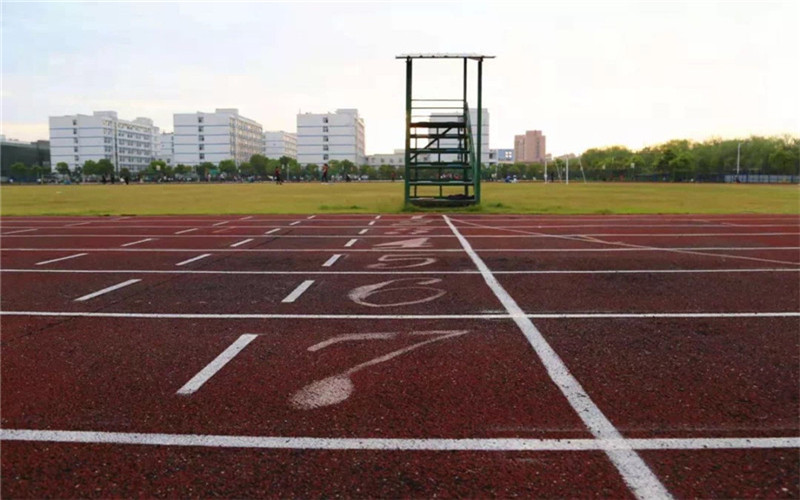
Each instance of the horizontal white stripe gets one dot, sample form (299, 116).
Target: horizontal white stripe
(395, 444)
(19, 231)
(106, 290)
(193, 259)
(441, 236)
(79, 314)
(412, 250)
(68, 257)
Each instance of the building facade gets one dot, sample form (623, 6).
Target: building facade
(530, 147)
(504, 155)
(279, 143)
(166, 148)
(322, 137)
(75, 139)
(213, 137)
(396, 159)
(29, 153)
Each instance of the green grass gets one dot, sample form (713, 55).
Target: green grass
(599, 198)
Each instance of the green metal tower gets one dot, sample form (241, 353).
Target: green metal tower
(442, 163)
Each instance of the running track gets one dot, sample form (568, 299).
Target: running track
(413, 356)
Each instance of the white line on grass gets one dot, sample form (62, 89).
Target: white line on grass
(248, 240)
(363, 231)
(395, 444)
(273, 230)
(220, 223)
(193, 259)
(19, 231)
(302, 287)
(634, 471)
(488, 316)
(136, 242)
(216, 365)
(351, 242)
(60, 259)
(106, 290)
(332, 260)
(186, 231)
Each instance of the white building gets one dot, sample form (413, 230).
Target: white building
(330, 136)
(212, 137)
(166, 148)
(473, 118)
(75, 139)
(396, 159)
(279, 143)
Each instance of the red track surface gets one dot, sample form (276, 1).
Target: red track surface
(676, 327)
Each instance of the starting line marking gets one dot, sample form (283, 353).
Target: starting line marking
(248, 240)
(371, 223)
(396, 444)
(193, 259)
(81, 314)
(136, 242)
(107, 289)
(19, 231)
(363, 231)
(295, 223)
(273, 230)
(298, 291)
(332, 260)
(60, 259)
(642, 482)
(216, 365)
(310, 217)
(186, 231)
(351, 242)
(220, 223)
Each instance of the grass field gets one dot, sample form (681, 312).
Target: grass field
(599, 198)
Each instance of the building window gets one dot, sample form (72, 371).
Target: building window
(199, 129)
(324, 119)
(324, 138)
(199, 119)
(324, 129)
(325, 147)
(74, 122)
(74, 131)
(202, 147)
(202, 156)
(201, 138)
(324, 157)
(75, 149)
(75, 140)
(77, 158)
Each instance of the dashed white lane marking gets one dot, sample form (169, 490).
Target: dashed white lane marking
(79, 314)
(136, 242)
(417, 216)
(216, 365)
(193, 259)
(310, 217)
(223, 230)
(371, 223)
(363, 231)
(351, 242)
(377, 217)
(295, 223)
(186, 231)
(78, 224)
(395, 444)
(247, 218)
(297, 292)
(332, 260)
(19, 231)
(634, 471)
(240, 243)
(220, 223)
(61, 258)
(106, 290)
(273, 230)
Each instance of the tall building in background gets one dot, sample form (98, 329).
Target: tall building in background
(166, 148)
(530, 147)
(212, 137)
(29, 153)
(279, 143)
(322, 137)
(473, 119)
(74, 139)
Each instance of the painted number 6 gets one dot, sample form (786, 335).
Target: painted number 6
(361, 294)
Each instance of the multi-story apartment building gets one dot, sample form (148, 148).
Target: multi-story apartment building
(74, 139)
(212, 137)
(396, 159)
(166, 148)
(322, 137)
(473, 118)
(530, 147)
(279, 143)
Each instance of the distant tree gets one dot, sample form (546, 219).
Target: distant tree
(259, 163)
(181, 169)
(312, 171)
(158, 164)
(246, 169)
(125, 173)
(62, 168)
(19, 171)
(385, 171)
(228, 167)
(167, 171)
(90, 168)
(105, 167)
(204, 169)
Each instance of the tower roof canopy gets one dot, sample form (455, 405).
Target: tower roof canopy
(444, 55)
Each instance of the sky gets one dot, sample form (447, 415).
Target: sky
(588, 74)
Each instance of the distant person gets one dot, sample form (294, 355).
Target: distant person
(113, 180)
(278, 179)
(127, 180)
(324, 173)
(393, 176)
(104, 179)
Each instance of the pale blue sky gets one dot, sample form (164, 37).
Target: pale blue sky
(586, 73)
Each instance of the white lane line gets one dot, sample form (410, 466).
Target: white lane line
(395, 444)
(220, 223)
(490, 316)
(413, 250)
(351, 243)
(186, 231)
(136, 242)
(216, 365)
(248, 240)
(193, 259)
(297, 292)
(366, 273)
(273, 230)
(106, 290)
(246, 218)
(377, 217)
(295, 223)
(78, 224)
(642, 482)
(19, 231)
(363, 231)
(310, 217)
(371, 223)
(332, 260)
(60, 259)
